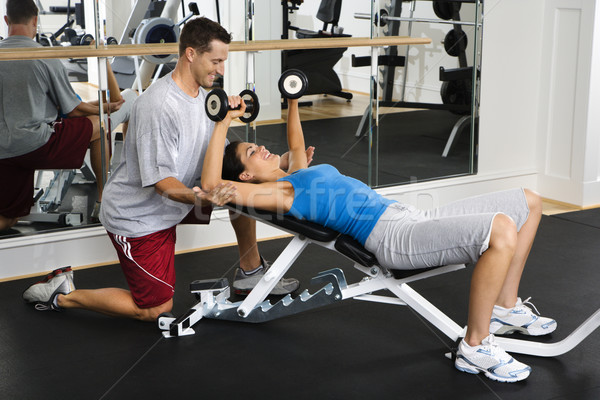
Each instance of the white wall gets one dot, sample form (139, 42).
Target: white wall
(568, 124)
(510, 85)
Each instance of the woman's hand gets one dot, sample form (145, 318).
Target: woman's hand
(235, 101)
(219, 195)
(284, 160)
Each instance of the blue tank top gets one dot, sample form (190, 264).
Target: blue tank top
(339, 202)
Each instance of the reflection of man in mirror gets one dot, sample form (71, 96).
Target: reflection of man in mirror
(149, 192)
(32, 134)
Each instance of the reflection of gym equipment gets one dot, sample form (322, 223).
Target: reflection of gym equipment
(153, 27)
(52, 39)
(48, 199)
(457, 85)
(214, 304)
(317, 64)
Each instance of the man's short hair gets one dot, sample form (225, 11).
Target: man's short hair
(20, 11)
(198, 34)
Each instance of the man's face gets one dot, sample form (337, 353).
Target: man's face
(205, 66)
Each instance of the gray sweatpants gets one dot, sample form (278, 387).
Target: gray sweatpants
(406, 237)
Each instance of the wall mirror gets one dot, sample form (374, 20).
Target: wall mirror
(422, 126)
(412, 118)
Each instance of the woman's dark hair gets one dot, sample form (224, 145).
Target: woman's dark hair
(232, 165)
(198, 34)
(20, 11)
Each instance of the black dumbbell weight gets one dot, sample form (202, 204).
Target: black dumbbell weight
(86, 40)
(68, 34)
(293, 83)
(217, 105)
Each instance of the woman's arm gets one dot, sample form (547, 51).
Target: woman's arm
(295, 137)
(268, 196)
(213, 159)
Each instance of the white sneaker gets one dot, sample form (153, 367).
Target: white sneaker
(490, 359)
(520, 318)
(43, 293)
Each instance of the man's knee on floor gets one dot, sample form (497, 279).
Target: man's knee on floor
(152, 313)
(7, 223)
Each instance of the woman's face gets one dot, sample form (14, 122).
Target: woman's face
(257, 160)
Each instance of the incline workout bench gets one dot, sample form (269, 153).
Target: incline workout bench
(213, 294)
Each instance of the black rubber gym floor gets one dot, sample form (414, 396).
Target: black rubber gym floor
(351, 350)
(409, 145)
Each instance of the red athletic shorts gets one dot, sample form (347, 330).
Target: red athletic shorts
(65, 149)
(148, 261)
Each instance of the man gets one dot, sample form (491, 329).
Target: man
(149, 193)
(32, 136)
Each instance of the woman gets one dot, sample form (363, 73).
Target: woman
(494, 231)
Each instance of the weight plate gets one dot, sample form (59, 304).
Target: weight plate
(157, 30)
(68, 35)
(216, 105)
(455, 44)
(252, 105)
(293, 84)
(381, 19)
(445, 9)
(457, 93)
(86, 40)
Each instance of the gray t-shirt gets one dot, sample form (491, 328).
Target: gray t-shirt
(168, 136)
(31, 92)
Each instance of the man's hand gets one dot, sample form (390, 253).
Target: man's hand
(219, 195)
(284, 160)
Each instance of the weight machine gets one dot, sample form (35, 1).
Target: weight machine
(52, 38)
(457, 82)
(317, 64)
(150, 21)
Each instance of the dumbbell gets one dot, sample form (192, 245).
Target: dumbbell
(217, 105)
(85, 40)
(293, 83)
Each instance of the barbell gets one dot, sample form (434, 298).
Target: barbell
(383, 17)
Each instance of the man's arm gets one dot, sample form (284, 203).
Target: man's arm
(175, 190)
(84, 108)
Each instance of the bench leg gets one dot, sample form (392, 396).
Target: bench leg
(422, 306)
(273, 275)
